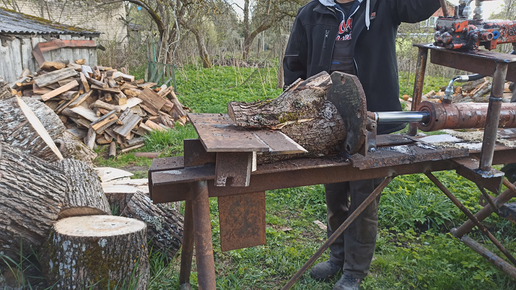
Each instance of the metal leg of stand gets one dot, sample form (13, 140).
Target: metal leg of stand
(203, 237)
(493, 116)
(187, 248)
(418, 85)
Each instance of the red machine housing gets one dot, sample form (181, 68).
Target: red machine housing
(464, 34)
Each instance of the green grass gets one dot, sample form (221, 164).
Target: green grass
(414, 248)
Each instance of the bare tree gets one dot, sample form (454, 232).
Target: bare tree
(262, 15)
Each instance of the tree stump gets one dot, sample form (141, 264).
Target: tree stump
(34, 193)
(164, 225)
(301, 112)
(96, 252)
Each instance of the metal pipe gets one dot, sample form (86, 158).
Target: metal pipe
(187, 248)
(490, 256)
(493, 116)
(339, 231)
(465, 116)
(203, 238)
(444, 8)
(401, 117)
(488, 198)
(482, 214)
(419, 83)
(471, 217)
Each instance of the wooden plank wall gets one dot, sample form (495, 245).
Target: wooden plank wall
(17, 55)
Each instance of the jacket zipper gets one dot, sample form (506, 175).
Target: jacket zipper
(326, 34)
(356, 66)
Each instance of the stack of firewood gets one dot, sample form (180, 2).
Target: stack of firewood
(101, 105)
(474, 91)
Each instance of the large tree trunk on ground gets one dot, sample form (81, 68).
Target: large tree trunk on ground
(71, 147)
(34, 192)
(96, 252)
(164, 225)
(16, 130)
(302, 112)
(85, 195)
(31, 196)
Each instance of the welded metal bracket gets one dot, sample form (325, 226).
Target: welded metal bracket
(489, 179)
(233, 168)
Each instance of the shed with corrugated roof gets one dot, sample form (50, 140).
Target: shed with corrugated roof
(27, 41)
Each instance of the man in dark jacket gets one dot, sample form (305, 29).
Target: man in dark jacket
(357, 37)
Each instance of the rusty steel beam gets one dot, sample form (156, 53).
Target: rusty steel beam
(339, 231)
(471, 217)
(175, 184)
(493, 116)
(202, 237)
(490, 256)
(481, 62)
(417, 95)
(187, 248)
(504, 197)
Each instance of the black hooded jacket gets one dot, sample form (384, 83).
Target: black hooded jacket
(310, 47)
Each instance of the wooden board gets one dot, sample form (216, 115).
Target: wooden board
(218, 133)
(40, 129)
(278, 142)
(107, 174)
(86, 113)
(129, 123)
(55, 76)
(60, 90)
(150, 98)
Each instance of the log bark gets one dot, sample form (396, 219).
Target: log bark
(5, 91)
(35, 193)
(31, 196)
(302, 112)
(164, 225)
(96, 252)
(73, 148)
(85, 194)
(16, 131)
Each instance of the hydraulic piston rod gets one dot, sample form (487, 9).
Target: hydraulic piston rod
(432, 116)
(401, 117)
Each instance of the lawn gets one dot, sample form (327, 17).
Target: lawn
(414, 248)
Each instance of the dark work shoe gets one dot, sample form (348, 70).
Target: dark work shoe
(347, 283)
(324, 271)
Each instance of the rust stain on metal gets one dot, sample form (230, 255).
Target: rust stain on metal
(242, 221)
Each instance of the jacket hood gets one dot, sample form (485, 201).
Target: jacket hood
(331, 3)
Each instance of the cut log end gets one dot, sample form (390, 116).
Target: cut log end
(96, 252)
(98, 226)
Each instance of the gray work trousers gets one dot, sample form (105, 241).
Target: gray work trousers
(353, 249)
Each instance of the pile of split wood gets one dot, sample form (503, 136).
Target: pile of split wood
(475, 91)
(55, 205)
(101, 105)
